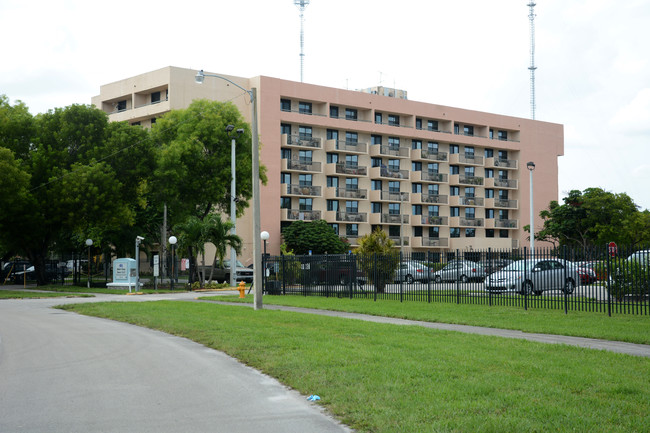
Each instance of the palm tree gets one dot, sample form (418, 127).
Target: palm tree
(219, 233)
(191, 236)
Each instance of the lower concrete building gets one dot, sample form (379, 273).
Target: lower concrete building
(435, 178)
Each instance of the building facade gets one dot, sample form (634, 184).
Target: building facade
(435, 178)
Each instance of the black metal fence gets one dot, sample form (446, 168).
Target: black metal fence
(597, 280)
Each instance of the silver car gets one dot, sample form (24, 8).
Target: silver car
(534, 276)
(412, 271)
(461, 270)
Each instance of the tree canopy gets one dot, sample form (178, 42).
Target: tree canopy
(315, 236)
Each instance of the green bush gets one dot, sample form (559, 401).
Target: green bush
(629, 278)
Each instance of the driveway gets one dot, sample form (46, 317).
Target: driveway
(63, 372)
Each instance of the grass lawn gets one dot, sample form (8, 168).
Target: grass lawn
(629, 328)
(17, 294)
(78, 289)
(388, 378)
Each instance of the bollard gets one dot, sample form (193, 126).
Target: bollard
(241, 288)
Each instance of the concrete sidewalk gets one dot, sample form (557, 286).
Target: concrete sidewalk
(589, 343)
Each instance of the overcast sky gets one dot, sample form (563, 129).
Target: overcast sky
(593, 71)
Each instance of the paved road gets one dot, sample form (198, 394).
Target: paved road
(63, 372)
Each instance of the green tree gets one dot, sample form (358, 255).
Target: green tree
(316, 236)
(218, 232)
(191, 238)
(377, 258)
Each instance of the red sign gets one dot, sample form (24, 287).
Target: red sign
(613, 249)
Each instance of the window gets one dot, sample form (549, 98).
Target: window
(335, 227)
(352, 230)
(351, 137)
(489, 193)
(418, 123)
(393, 186)
(304, 204)
(393, 120)
(286, 153)
(285, 128)
(332, 158)
(453, 148)
(434, 232)
(469, 171)
(416, 144)
(305, 179)
(332, 134)
(454, 232)
(334, 111)
(456, 129)
(454, 211)
(503, 233)
(304, 107)
(489, 233)
(376, 162)
(375, 139)
(470, 233)
(332, 182)
(135, 124)
(304, 132)
(393, 142)
(375, 185)
(503, 154)
(352, 161)
(285, 104)
(489, 173)
(393, 231)
(121, 105)
(469, 152)
(351, 183)
(393, 164)
(432, 147)
(416, 166)
(432, 167)
(352, 206)
(393, 209)
(503, 214)
(332, 205)
(503, 194)
(454, 169)
(350, 114)
(454, 190)
(304, 156)
(416, 188)
(155, 97)
(378, 118)
(433, 189)
(503, 135)
(434, 210)
(416, 209)
(432, 125)
(375, 207)
(489, 213)
(468, 130)
(489, 153)
(417, 231)
(470, 191)
(285, 178)
(503, 174)
(285, 202)
(491, 134)
(470, 213)
(153, 121)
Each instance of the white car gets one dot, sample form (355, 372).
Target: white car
(534, 276)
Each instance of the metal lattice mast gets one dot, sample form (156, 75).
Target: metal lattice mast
(302, 4)
(532, 67)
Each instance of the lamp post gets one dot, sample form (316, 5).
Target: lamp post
(89, 243)
(264, 236)
(257, 259)
(233, 203)
(531, 167)
(138, 241)
(172, 242)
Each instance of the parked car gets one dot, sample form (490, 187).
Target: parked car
(494, 265)
(534, 276)
(642, 257)
(412, 271)
(222, 273)
(461, 270)
(586, 272)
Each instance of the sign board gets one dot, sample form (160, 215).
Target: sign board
(612, 248)
(156, 265)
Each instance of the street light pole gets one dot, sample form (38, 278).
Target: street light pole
(89, 243)
(531, 167)
(172, 242)
(264, 236)
(233, 203)
(257, 257)
(138, 240)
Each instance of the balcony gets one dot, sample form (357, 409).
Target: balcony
(492, 182)
(385, 150)
(423, 154)
(387, 173)
(501, 203)
(302, 215)
(456, 200)
(512, 164)
(465, 222)
(388, 218)
(506, 224)
(430, 198)
(346, 146)
(462, 179)
(397, 240)
(347, 170)
(303, 190)
(425, 220)
(352, 217)
(389, 196)
(301, 141)
(465, 159)
(427, 176)
(424, 242)
(298, 165)
(332, 193)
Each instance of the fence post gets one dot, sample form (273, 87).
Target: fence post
(523, 289)
(429, 277)
(566, 295)
(489, 262)
(284, 274)
(457, 278)
(609, 282)
(376, 272)
(352, 278)
(401, 277)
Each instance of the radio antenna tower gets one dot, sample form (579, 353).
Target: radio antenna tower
(532, 67)
(302, 5)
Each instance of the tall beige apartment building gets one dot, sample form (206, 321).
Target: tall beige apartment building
(435, 178)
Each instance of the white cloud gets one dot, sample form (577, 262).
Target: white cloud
(635, 116)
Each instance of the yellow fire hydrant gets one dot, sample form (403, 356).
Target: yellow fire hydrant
(242, 289)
